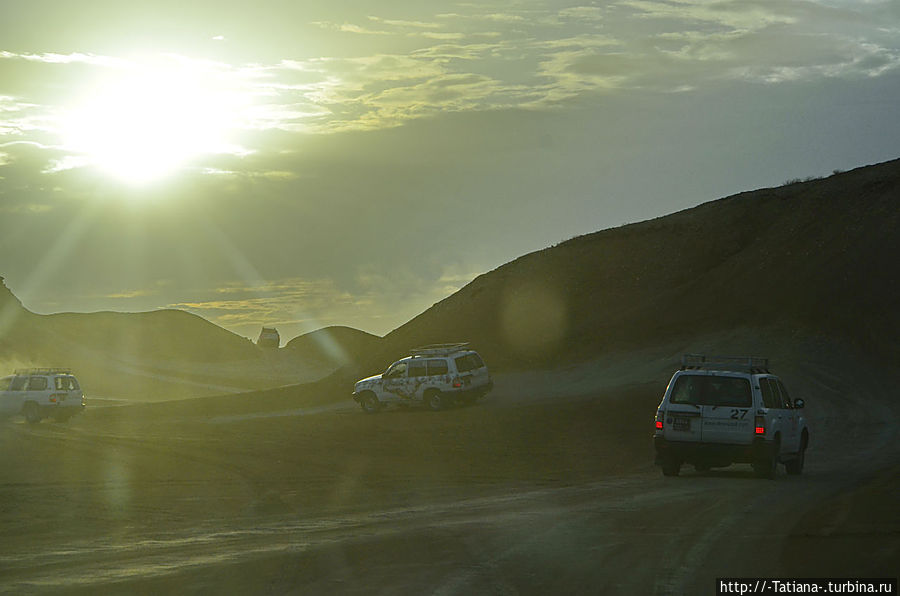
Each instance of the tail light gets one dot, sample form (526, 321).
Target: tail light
(660, 415)
(760, 425)
(659, 425)
(457, 382)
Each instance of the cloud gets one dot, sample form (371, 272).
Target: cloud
(477, 59)
(378, 302)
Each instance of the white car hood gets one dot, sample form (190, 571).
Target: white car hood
(368, 381)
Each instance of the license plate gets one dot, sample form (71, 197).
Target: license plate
(681, 424)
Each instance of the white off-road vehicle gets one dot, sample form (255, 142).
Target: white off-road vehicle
(39, 393)
(722, 410)
(437, 375)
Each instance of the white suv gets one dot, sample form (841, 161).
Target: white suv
(39, 393)
(721, 410)
(437, 375)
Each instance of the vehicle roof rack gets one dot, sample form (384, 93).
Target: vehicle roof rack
(751, 364)
(43, 371)
(439, 349)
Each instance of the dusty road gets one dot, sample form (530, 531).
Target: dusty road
(502, 498)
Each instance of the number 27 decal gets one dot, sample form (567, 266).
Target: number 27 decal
(738, 414)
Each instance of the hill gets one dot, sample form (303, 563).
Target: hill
(814, 258)
(155, 355)
(335, 345)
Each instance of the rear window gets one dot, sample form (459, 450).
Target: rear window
(468, 362)
(702, 390)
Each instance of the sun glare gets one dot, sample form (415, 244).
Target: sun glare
(150, 121)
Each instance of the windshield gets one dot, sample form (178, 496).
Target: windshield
(705, 390)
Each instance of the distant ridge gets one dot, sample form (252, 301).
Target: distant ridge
(338, 344)
(817, 257)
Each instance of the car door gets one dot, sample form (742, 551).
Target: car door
(727, 404)
(417, 374)
(774, 413)
(684, 412)
(38, 390)
(396, 381)
(480, 375)
(790, 417)
(9, 404)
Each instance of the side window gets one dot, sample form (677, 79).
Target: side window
(37, 383)
(476, 358)
(785, 398)
(61, 383)
(417, 368)
(770, 398)
(73, 384)
(18, 384)
(437, 367)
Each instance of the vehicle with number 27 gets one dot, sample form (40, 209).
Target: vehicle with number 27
(722, 410)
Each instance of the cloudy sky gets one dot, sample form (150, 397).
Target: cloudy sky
(302, 164)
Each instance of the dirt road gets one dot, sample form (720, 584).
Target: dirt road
(500, 498)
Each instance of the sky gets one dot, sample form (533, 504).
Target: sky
(304, 164)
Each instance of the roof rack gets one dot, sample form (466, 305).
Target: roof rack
(439, 349)
(43, 371)
(752, 364)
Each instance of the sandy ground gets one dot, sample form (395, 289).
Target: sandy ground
(544, 488)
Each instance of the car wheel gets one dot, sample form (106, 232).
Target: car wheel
(671, 466)
(32, 413)
(434, 400)
(766, 466)
(369, 403)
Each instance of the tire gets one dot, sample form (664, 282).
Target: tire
(795, 466)
(32, 413)
(369, 403)
(766, 466)
(671, 466)
(434, 400)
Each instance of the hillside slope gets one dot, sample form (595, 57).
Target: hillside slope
(812, 258)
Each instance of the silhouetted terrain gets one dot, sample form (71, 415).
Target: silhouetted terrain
(815, 258)
(153, 355)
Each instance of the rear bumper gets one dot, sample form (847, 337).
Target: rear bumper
(711, 453)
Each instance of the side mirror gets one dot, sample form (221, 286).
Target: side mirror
(799, 403)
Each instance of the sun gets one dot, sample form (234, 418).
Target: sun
(148, 121)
